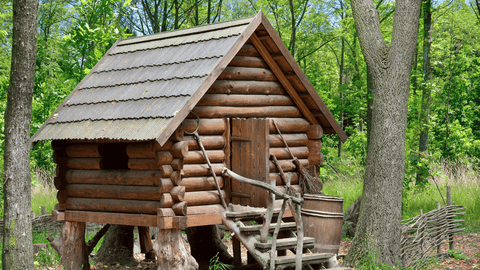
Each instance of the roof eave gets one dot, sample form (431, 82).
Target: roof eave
(32, 139)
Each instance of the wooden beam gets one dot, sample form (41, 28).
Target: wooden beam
(283, 80)
(112, 218)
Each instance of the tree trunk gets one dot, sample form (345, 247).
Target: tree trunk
(422, 172)
(171, 252)
(71, 246)
(117, 246)
(17, 232)
(207, 236)
(378, 233)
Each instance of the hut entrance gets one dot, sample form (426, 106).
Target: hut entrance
(250, 158)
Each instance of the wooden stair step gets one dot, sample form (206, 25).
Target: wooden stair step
(315, 258)
(285, 243)
(250, 214)
(257, 228)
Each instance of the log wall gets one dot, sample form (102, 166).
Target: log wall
(175, 176)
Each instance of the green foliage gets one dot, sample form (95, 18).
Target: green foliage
(457, 254)
(46, 258)
(217, 265)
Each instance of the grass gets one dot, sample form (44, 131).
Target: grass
(343, 177)
(43, 190)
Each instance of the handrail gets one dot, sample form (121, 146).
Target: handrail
(257, 183)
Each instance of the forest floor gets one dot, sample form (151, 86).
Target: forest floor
(467, 257)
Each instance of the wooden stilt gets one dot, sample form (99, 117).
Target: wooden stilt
(171, 252)
(71, 246)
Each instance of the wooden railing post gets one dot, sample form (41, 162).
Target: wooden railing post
(269, 214)
(451, 245)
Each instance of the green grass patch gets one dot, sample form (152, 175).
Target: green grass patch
(43, 191)
(343, 177)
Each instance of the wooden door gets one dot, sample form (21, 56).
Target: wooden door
(250, 158)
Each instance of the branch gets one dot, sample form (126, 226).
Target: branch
(316, 49)
(93, 242)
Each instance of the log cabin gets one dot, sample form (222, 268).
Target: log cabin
(123, 140)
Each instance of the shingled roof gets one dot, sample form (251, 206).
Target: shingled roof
(144, 87)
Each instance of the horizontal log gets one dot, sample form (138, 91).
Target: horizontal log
(235, 100)
(314, 132)
(201, 183)
(196, 210)
(85, 163)
(248, 61)
(62, 196)
(59, 182)
(246, 87)
(289, 125)
(209, 142)
(143, 164)
(248, 50)
(197, 157)
(112, 218)
(293, 140)
(176, 177)
(180, 208)
(114, 177)
(207, 126)
(283, 153)
(287, 165)
(294, 178)
(178, 134)
(193, 198)
(87, 150)
(163, 158)
(179, 149)
(59, 157)
(195, 170)
(245, 73)
(178, 193)
(61, 170)
(146, 150)
(113, 205)
(147, 193)
(177, 164)
(314, 147)
(246, 112)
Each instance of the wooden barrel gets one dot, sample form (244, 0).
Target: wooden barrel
(323, 203)
(322, 218)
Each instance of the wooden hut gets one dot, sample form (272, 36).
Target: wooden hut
(121, 151)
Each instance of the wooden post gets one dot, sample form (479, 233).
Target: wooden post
(298, 210)
(268, 215)
(439, 247)
(237, 251)
(71, 246)
(171, 252)
(451, 244)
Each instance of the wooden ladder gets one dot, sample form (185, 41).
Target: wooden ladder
(261, 240)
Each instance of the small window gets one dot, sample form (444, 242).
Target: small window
(114, 156)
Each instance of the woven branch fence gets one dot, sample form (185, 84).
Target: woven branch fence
(423, 235)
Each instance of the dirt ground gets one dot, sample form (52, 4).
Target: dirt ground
(468, 244)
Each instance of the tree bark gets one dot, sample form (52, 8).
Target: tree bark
(71, 246)
(422, 172)
(171, 252)
(17, 236)
(117, 246)
(207, 236)
(378, 232)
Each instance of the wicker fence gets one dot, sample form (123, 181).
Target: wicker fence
(423, 235)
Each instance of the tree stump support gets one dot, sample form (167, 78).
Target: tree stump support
(71, 246)
(171, 252)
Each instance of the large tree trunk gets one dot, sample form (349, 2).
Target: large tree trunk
(171, 252)
(207, 236)
(422, 172)
(71, 246)
(117, 246)
(17, 232)
(378, 231)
